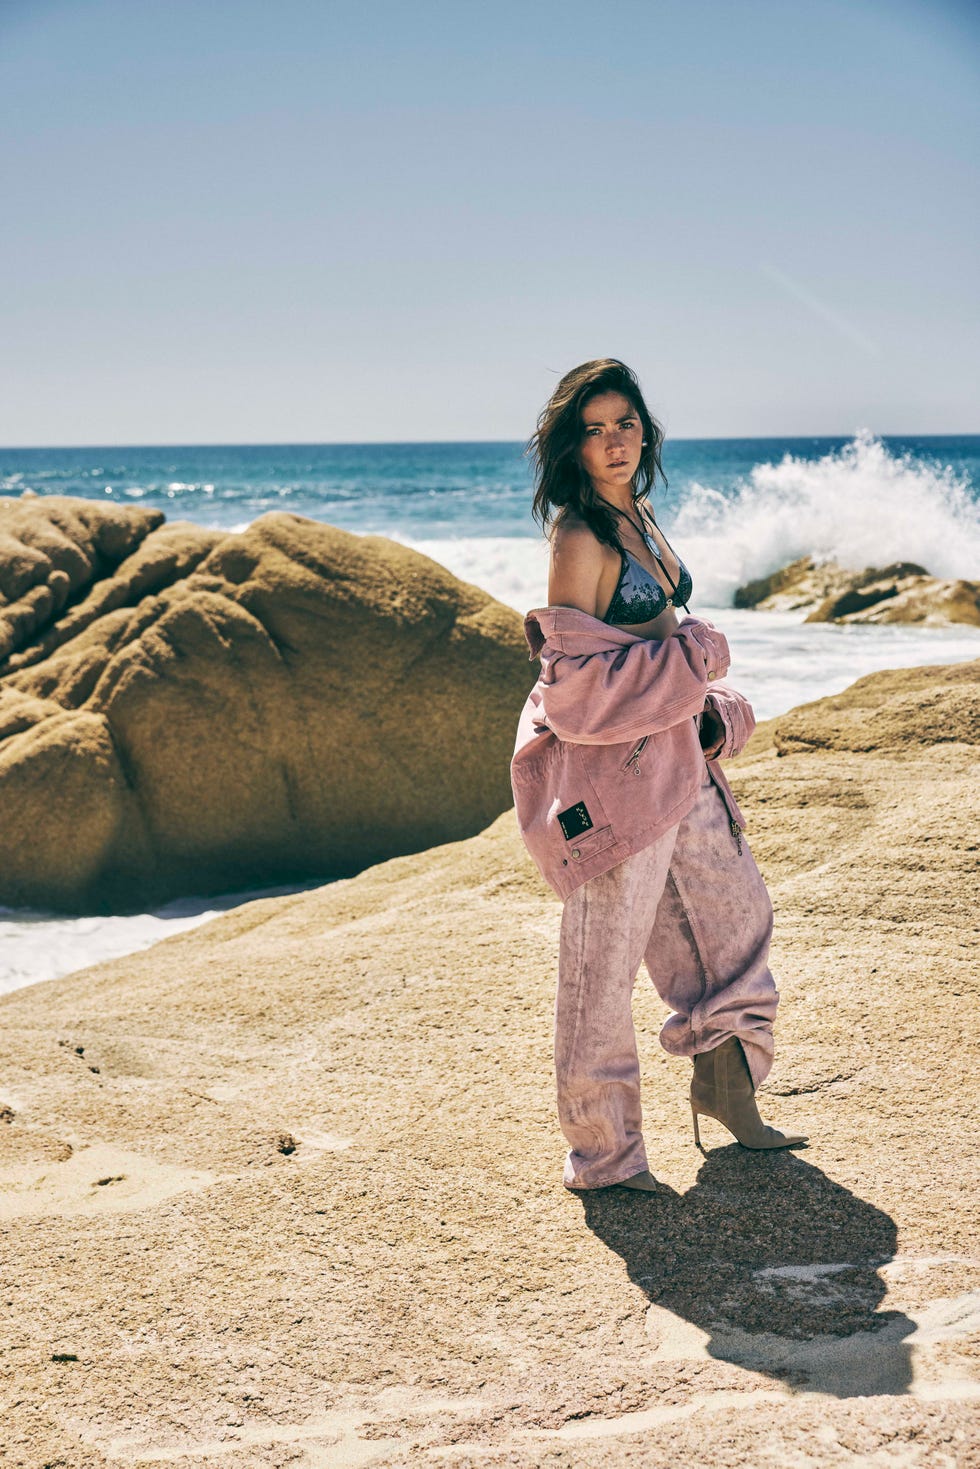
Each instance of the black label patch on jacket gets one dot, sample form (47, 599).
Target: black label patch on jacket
(575, 820)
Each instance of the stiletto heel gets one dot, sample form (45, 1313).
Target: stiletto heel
(722, 1088)
(697, 1130)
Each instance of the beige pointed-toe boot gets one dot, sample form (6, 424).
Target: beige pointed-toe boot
(722, 1088)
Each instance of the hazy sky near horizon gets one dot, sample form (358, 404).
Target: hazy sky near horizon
(243, 222)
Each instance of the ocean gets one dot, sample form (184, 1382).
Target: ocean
(735, 509)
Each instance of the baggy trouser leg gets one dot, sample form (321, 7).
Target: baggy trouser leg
(708, 954)
(604, 930)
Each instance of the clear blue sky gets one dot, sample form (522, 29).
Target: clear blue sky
(286, 221)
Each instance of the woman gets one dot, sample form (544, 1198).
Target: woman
(622, 803)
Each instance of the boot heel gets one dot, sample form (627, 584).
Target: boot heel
(697, 1130)
(722, 1077)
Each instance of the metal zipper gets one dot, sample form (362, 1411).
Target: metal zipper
(633, 759)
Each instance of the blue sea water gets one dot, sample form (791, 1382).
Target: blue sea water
(743, 507)
(425, 491)
(736, 509)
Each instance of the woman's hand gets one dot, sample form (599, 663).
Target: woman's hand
(711, 732)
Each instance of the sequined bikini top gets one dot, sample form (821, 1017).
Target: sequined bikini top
(639, 597)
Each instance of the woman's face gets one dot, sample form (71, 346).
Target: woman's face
(611, 443)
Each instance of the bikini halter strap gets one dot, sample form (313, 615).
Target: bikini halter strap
(646, 539)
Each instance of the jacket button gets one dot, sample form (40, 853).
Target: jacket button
(576, 852)
(712, 675)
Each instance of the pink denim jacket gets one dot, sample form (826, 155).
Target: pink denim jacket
(607, 755)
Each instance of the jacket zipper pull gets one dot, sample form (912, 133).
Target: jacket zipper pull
(633, 759)
(737, 834)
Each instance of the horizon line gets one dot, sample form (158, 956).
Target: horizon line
(434, 443)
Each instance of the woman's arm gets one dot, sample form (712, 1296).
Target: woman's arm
(578, 561)
(622, 692)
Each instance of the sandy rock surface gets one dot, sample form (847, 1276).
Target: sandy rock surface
(903, 592)
(894, 710)
(286, 1190)
(185, 711)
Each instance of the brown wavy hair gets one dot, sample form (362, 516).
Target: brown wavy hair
(560, 483)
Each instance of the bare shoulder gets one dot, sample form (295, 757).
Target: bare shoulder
(578, 563)
(573, 540)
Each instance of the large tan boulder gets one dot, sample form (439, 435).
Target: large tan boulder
(901, 593)
(286, 1190)
(198, 712)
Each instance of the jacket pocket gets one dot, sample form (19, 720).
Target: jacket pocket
(632, 761)
(582, 848)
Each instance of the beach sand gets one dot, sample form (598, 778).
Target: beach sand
(286, 1190)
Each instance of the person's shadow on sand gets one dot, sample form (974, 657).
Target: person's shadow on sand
(774, 1266)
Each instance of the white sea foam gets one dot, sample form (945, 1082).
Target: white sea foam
(779, 661)
(859, 506)
(514, 569)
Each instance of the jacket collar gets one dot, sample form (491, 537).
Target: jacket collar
(567, 630)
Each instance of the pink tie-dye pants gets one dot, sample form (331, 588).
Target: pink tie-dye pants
(693, 907)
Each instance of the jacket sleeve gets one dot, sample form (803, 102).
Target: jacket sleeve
(624, 693)
(736, 715)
